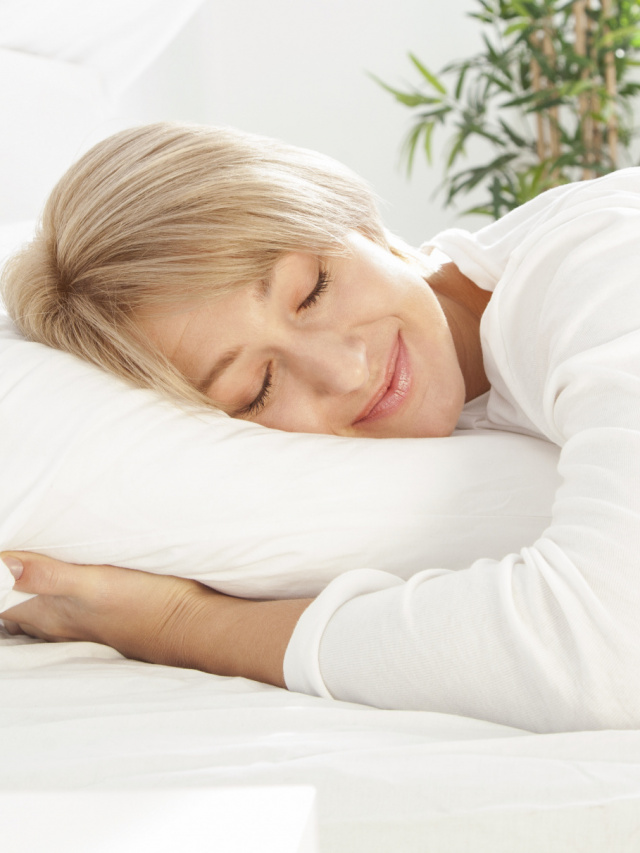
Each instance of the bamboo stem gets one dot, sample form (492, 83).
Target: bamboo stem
(584, 100)
(581, 27)
(541, 141)
(611, 85)
(554, 113)
(594, 100)
(589, 128)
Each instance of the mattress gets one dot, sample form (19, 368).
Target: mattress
(78, 717)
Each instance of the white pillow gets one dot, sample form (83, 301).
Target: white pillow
(116, 40)
(50, 112)
(96, 472)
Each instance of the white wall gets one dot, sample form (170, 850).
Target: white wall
(297, 70)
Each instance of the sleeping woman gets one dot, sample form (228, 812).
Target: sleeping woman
(232, 271)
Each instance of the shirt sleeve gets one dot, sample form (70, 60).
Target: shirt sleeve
(546, 639)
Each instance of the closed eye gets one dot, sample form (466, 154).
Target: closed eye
(256, 406)
(318, 290)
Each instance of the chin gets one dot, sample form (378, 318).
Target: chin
(430, 431)
(407, 430)
(438, 427)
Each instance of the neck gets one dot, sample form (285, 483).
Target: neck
(463, 303)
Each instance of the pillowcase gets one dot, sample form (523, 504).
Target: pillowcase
(94, 471)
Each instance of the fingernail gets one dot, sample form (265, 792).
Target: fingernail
(14, 565)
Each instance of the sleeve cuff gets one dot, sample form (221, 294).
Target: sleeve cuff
(302, 658)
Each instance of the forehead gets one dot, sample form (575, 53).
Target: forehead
(187, 333)
(195, 334)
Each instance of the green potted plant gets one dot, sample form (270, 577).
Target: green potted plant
(551, 93)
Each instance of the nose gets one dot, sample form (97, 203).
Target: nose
(331, 363)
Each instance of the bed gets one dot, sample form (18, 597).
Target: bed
(83, 726)
(79, 718)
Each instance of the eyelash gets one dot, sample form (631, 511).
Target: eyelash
(318, 290)
(260, 401)
(255, 407)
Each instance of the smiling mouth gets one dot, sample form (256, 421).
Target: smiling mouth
(394, 389)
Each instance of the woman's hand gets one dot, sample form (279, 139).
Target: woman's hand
(134, 612)
(154, 618)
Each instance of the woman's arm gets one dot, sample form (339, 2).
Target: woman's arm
(155, 618)
(546, 639)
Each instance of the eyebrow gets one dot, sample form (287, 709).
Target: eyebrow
(218, 369)
(262, 293)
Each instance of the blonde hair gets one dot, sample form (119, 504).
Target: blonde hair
(163, 214)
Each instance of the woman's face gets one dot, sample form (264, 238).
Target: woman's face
(355, 346)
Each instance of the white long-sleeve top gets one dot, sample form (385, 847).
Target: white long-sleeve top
(547, 639)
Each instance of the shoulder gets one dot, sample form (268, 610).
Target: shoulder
(566, 310)
(485, 255)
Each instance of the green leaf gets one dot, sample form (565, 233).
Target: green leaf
(410, 146)
(573, 89)
(428, 133)
(479, 211)
(501, 84)
(456, 150)
(521, 100)
(492, 53)
(566, 7)
(429, 77)
(492, 99)
(521, 9)
(460, 84)
(617, 37)
(515, 28)
(409, 99)
(477, 130)
(437, 115)
(512, 135)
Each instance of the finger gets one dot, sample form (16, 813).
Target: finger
(15, 628)
(12, 627)
(25, 629)
(43, 575)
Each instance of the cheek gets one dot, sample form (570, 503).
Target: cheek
(368, 292)
(444, 393)
(293, 410)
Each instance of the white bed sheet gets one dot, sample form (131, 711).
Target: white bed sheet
(77, 716)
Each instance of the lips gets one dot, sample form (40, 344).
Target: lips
(394, 389)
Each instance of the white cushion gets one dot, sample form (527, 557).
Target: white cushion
(62, 66)
(96, 472)
(115, 39)
(50, 112)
